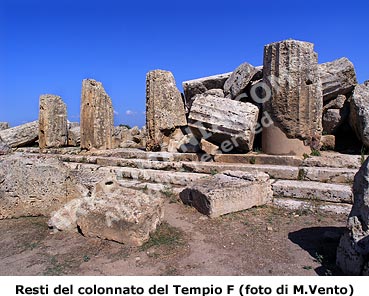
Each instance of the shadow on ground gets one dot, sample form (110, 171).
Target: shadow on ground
(321, 243)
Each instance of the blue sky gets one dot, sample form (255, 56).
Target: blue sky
(50, 46)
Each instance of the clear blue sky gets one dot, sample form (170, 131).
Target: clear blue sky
(49, 46)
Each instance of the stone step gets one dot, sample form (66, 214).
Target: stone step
(313, 191)
(303, 207)
(307, 190)
(319, 174)
(327, 159)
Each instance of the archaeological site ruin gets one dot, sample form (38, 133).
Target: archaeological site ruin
(290, 134)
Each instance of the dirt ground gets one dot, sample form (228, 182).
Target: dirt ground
(259, 241)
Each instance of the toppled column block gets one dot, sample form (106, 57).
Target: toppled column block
(359, 113)
(231, 191)
(202, 85)
(21, 135)
(53, 129)
(97, 116)
(164, 108)
(337, 77)
(294, 96)
(241, 77)
(227, 123)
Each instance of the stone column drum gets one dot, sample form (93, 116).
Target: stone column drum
(295, 101)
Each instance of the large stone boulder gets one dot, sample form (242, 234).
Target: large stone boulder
(201, 85)
(338, 78)
(227, 123)
(293, 96)
(359, 113)
(4, 126)
(240, 78)
(97, 116)
(21, 135)
(53, 129)
(231, 191)
(353, 250)
(119, 214)
(34, 186)
(165, 110)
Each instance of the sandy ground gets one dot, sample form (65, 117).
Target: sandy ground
(260, 241)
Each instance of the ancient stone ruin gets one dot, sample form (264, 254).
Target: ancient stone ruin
(97, 116)
(291, 133)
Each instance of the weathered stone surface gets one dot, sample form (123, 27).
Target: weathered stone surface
(65, 219)
(230, 124)
(336, 103)
(164, 108)
(294, 204)
(97, 117)
(74, 136)
(119, 214)
(239, 79)
(52, 119)
(201, 85)
(327, 175)
(291, 72)
(333, 160)
(217, 92)
(258, 158)
(359, 113)
(337, 77)
(328, 142)
(209, 148)
(353, 251)
(34, 186)
(229, 192)
(4, 148)
(4, 126)
(313, 190)
(333, 119)
(21, 135)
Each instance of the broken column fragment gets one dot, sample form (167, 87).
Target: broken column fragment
(295, 102)
(337, 77)
(227, 123)
(97, 116)
(164, 109)
(53, 129)
(228, 192)
(21, 135)
(240, 78)
(359, 113)
(201, 85)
